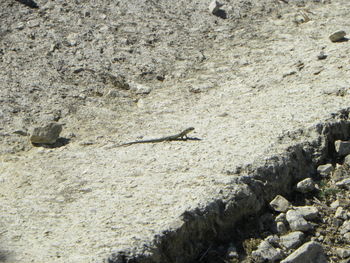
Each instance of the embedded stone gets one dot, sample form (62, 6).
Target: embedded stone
(337, 36)
(46, 134)
(280, 204)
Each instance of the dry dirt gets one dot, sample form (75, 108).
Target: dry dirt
(243, 82)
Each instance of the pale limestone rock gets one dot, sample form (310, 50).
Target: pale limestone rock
(311, 252)
(325, 169)
(342, 147)
(306, 185)
(308, 212)
(297, 222)
(280, 204)
(292, 240)
(47, 134)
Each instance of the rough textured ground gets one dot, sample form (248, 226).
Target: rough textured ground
(242, 82)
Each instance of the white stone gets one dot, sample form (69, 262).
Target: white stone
(292, 240)
(280, 204)
(335, 204)
(297, 222)
(140, 89)
(306, 185)
(308, 212)
(344, 183)
(72, 39)
(347, 236)
(47, 134)
(273, 240)
(347, 160)
(341, 213)
(342, 147)
(281, 228)
(343, 253)
(281, 218)
(310, 252)
(325, 169)
(345, 228)
(266, 252)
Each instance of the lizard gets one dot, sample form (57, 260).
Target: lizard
(177, 137)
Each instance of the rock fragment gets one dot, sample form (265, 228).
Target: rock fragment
(341, 213)
(310, 252)
(214, 7)
(347, 160)
(337, 36)
(345, 228)
(321, 56)
(297, 222)
(325, 169)
(307, 212)
(47, 134)
(292, 240)
(281, 228)
(306, 185)
(335, 204)
(343, 253)
(267, 253)
(344, 183)
(280, 204)
(342, 147)
(140, 89)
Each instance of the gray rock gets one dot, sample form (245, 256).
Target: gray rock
(297, 222)
(273, 240)
(345, 228)
(343, 253)
(140, 89)
(340, 172)
(347, 236)
(337, 36)
(325, 169)
(281, 228)
(292, 240)
(308, 212)
(306, 185)
(281, 218)
(214, 7)
(341, 213)
(47, 134)
(347, 160)
(280, 204)
(311, 252)
(335, 204)
(342, 147)
(321, 56)
(200, 88)
(344, 183)
(266, 252)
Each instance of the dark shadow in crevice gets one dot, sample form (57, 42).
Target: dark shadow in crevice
(344, 39)
(221, 13)
(59, 143)
(29, 3)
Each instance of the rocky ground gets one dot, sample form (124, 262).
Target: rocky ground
(255, 78)
(313, 226)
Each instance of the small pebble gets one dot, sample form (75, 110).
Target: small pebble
(337, 36)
